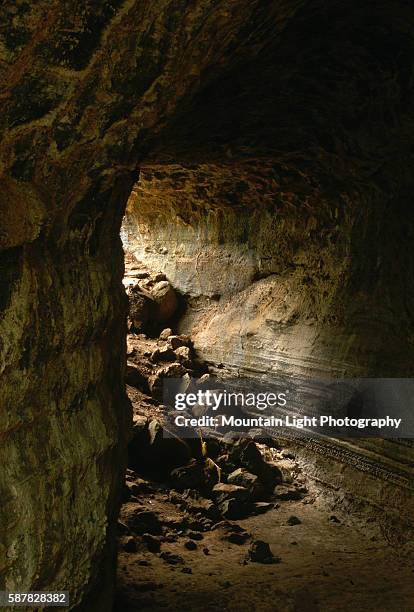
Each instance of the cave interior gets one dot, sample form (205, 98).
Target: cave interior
(203, 190)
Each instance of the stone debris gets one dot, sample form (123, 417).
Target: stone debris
(171, 558)
(259, 552)
(190, 545)
(177, 342)
(210, 483)
(164, 353)
(129, 544)
(294, 520)
(165, 333)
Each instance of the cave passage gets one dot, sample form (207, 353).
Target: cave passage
(263, 521)
(256, 159)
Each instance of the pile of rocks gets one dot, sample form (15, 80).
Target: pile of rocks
(151, 361)
(231, 476)
(211, 482)
(206, 499)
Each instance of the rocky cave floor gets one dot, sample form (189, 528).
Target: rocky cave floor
(233, 523)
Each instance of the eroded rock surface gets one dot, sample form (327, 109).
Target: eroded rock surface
(91, 90)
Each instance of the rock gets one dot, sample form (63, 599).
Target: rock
(131, 351)
(190, 545)
(259, 552)
(234, 509)
(195, 535)
(164, 353)
(140, 308)
(178, 341)
(204, 382)
(153, 543)
(287, 493)
(138, 487)
(171, 558)
(247, 480)
(190, 476)
(222, 491)
(224, 463)
(183, 355)
(187, 570)
(141, 521)
(129, 544)
(156, 449)
(165, 333)
(136, 377)
(199, 506)
(170, 537)
(172, 370)
(159, 276)
(155, 381)
(244, 452)
(294, 520)
(212, 473)
(262, 507)
(166, 301)
(200, 524)
(237, 538)
(186, 384)
(270, 475)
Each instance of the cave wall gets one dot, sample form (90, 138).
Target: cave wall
(86, 87)
(90, 91)
(279, 201)
(279, 204)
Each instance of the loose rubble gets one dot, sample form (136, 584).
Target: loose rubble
(178, 490)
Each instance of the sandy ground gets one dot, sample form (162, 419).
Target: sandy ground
(326, 565)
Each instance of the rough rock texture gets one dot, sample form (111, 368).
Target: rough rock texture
(289, 226)
(90, 90)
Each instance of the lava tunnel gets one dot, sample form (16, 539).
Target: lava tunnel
(216, 195)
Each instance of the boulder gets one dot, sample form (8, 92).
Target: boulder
(166, 302)
(177, 341)
(190, 476)
(155, 450)
(244, 452)
(205, 382)
(234, 509)
(139, 309)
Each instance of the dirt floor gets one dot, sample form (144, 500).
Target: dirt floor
(329, 561)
